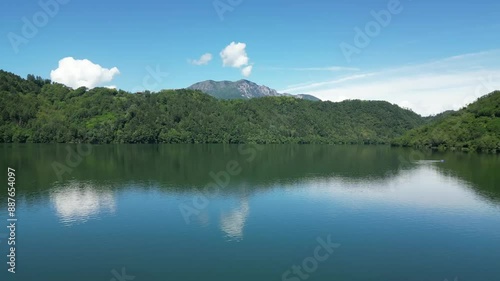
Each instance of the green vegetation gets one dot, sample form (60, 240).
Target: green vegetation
(37, 111)
(473, 128)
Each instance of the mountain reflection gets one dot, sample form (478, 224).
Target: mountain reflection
(184, 168)
(77, 202)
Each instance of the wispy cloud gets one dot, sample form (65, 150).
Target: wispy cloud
(427, 88)
(300, 84)
(306, 87)
(204, 59)
(326, 68)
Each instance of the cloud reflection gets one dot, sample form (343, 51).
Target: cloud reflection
(424, 187)
(233, 222)
(77, 202)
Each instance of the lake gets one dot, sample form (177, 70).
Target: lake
(250, 212)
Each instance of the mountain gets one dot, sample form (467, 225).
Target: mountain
(34, 110)
(242, 89)
(473, 128)
(304, 97)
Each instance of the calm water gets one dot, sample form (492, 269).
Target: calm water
(148, 212)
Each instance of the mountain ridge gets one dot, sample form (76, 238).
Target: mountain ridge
(241, 89)
(475, 127)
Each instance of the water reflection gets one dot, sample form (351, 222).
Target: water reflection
(424, 187)
(381, 208)
(182, 168)
(79, 202)
(233, 222)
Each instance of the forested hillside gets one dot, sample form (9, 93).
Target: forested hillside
(36, 110)
(474, 128)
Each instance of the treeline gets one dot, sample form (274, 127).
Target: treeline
(35, 110)
(473, 128)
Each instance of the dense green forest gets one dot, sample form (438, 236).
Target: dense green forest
(39, 111)
(473, 128)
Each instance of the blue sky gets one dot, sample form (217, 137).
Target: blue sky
(430, 56)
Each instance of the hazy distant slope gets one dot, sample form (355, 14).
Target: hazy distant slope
(475, 127)
(242, 89)
(306, 97)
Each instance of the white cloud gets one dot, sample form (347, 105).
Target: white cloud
(427, 88)
(326, 68)
(204, 59)
(234, 55)
(247, 71)
(77, 73)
